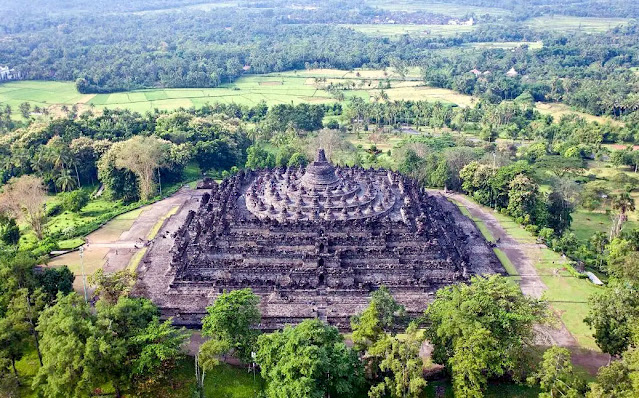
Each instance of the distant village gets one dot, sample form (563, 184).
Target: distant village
(7, 73)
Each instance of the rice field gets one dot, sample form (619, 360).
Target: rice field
(276, 88)
(454, 10)
(568, 24)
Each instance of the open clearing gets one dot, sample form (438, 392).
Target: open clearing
(575, 24)
(396, 30)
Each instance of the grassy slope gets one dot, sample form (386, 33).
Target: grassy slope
(567, 295)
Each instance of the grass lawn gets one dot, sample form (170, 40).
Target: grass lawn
(586, 223)
(557, 110)
(567, 295)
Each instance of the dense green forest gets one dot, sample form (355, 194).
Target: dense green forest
(123, 50)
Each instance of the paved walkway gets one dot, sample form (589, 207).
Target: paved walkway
(113, 246)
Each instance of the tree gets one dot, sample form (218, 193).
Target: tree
(622, 203)
(593, 194)
(522, 199)
(560, 165)
(612, 315)
(65, 328)
(25, 109)
(111, 286)
(14, 340)
(74, 201)
(130, 345)
(258, 158)
(309, 360)
(619, 379)
(367, 328)
(559, 211)
(479, 330)
(476, 357)
(65, 181)
(53, 280)
(25, 197)
(9, 230)
(140, 155)
(555, 375)
(157, 349)
(207, 359)
(24, 310)
(233, 318)
(402, 368)
(389, 310)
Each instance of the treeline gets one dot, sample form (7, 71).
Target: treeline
(118, 343)
(523, 9)
(476, 347)
(589, 72)
(515, 120)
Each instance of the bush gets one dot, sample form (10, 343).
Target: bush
(54, 209)
(9, 231)
(332, 124)
(74, 201)
(533, 229)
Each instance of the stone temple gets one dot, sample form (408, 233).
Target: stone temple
(311, 242)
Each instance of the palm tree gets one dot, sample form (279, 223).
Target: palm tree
(622, 203)
(65, 181)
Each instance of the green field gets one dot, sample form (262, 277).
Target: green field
(575, 24)
(454, 10)
(249, 90)
(275, 88)
(396, 30)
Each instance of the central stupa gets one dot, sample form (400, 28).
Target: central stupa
(311, 242)
(320, 192)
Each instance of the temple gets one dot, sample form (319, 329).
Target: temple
(311, 242)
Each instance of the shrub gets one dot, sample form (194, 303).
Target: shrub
(74, 201)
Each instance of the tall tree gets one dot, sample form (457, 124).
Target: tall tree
(309, 360)
(555, 375)
(402, 368)
(65, 329)
(233, 318)
(25, 197)
(612, 314)
(623, 204)
(479, 330)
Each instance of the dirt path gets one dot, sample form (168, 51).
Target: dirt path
(519, 254)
